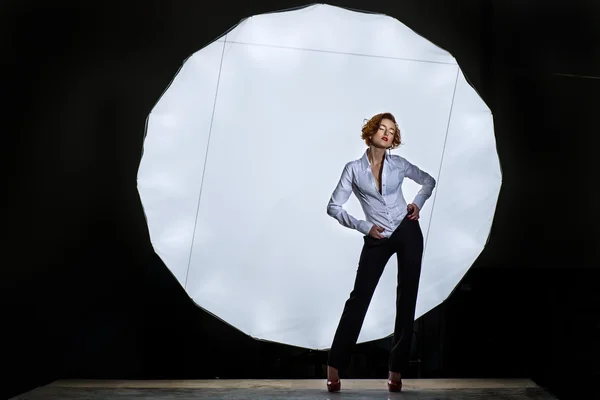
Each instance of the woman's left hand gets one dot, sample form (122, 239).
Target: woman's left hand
(413, 211)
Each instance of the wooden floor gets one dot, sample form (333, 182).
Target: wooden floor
(413, 389)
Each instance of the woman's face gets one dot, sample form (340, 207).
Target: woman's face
(385, 134)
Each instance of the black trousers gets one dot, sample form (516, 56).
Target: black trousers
(407, 243)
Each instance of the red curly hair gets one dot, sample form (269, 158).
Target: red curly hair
(372, 125)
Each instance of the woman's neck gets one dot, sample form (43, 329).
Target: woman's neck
(376, 155)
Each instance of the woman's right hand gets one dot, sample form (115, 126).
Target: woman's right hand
(374, 232)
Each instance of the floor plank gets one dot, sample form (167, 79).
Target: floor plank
(414, 389)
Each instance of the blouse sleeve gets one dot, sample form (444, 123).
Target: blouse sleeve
(422, 178)
(340, 196)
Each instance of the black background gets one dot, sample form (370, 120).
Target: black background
(85, 296)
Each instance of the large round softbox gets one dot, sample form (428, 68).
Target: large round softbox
(246, 145)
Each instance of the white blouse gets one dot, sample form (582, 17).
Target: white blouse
(386, 209)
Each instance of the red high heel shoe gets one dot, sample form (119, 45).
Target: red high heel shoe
(334, 386)
(394, 386)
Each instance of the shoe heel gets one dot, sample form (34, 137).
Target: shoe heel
(394, 386)
(334, 386)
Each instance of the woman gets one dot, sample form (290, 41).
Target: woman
(390, 226)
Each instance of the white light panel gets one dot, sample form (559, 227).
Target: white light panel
(245, 147)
